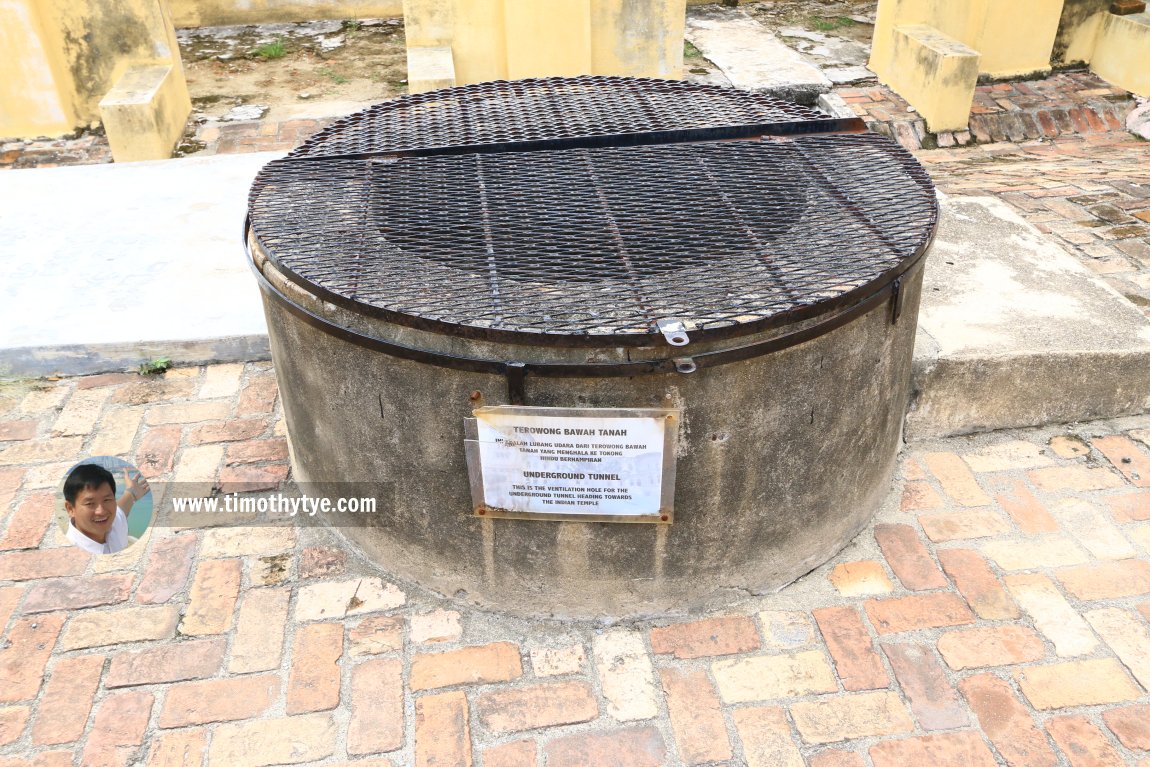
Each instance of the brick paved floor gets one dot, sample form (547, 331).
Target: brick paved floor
(1063, 104)
(997, 610)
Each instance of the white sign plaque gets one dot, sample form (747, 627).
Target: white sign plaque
(556, 463)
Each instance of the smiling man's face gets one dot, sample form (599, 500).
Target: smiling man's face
(94, 511)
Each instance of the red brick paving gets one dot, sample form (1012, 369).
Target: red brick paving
(936, 666)
(1064, 104)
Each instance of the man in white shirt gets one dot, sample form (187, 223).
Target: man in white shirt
(98, 521)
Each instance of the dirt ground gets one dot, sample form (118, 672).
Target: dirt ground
(293, 70)
(318, 69)
(849, 19)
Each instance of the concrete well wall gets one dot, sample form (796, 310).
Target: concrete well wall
(782, 459)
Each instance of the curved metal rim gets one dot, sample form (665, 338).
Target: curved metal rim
(523, 337)
(516, 370)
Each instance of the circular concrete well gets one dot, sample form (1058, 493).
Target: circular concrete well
(478, 298)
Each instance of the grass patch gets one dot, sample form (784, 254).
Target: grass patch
(272, 50)
(829, 24)
(690, 51)
(155, 367)
(332, 75)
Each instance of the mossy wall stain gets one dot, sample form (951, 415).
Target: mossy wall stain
(99, 42)
(1074, 14)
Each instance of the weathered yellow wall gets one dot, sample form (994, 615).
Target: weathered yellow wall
(1122, 52)
(103, 38)
(144, 114)
(1013, 38)
(35, 85)
(58, 58)
(500, 39)
(552, 38)
(951, 17)
(642, 38)
(1078, 31)
(1017, 37)
(478, 41)
(218, 13)
(215, 13)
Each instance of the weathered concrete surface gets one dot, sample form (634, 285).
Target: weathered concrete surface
(106, 266)
(1014, 331)
(794, 450)
(751, 57)
(842, 61)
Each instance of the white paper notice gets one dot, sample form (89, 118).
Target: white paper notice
(562, 464)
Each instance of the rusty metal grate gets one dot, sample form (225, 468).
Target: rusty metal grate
(594, 241)
(504, 114)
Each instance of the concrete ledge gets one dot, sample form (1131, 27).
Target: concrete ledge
(1014, 331)
(145, 112)
(935, 73)
(751, 57)
(1122, 52)
(87, 359)
(429, 68)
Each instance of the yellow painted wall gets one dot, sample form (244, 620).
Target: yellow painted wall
(58, 58)
(955, 18)
(1017, 37)
(477, 44)
(935, 73)
(214, 13)
(35, 85)
(552, 38)
(502, 39)
(1078, 31)
(1122, 52)
(144, 115)
(1013, 37)
(641, 38)
(218, 13)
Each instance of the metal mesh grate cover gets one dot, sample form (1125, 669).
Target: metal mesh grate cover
(594, 241)
(500, 114)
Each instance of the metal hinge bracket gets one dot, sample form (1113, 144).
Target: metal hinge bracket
(675, 331)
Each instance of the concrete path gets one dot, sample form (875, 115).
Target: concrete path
(751, 57)
(997, 611)
(109, 265)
